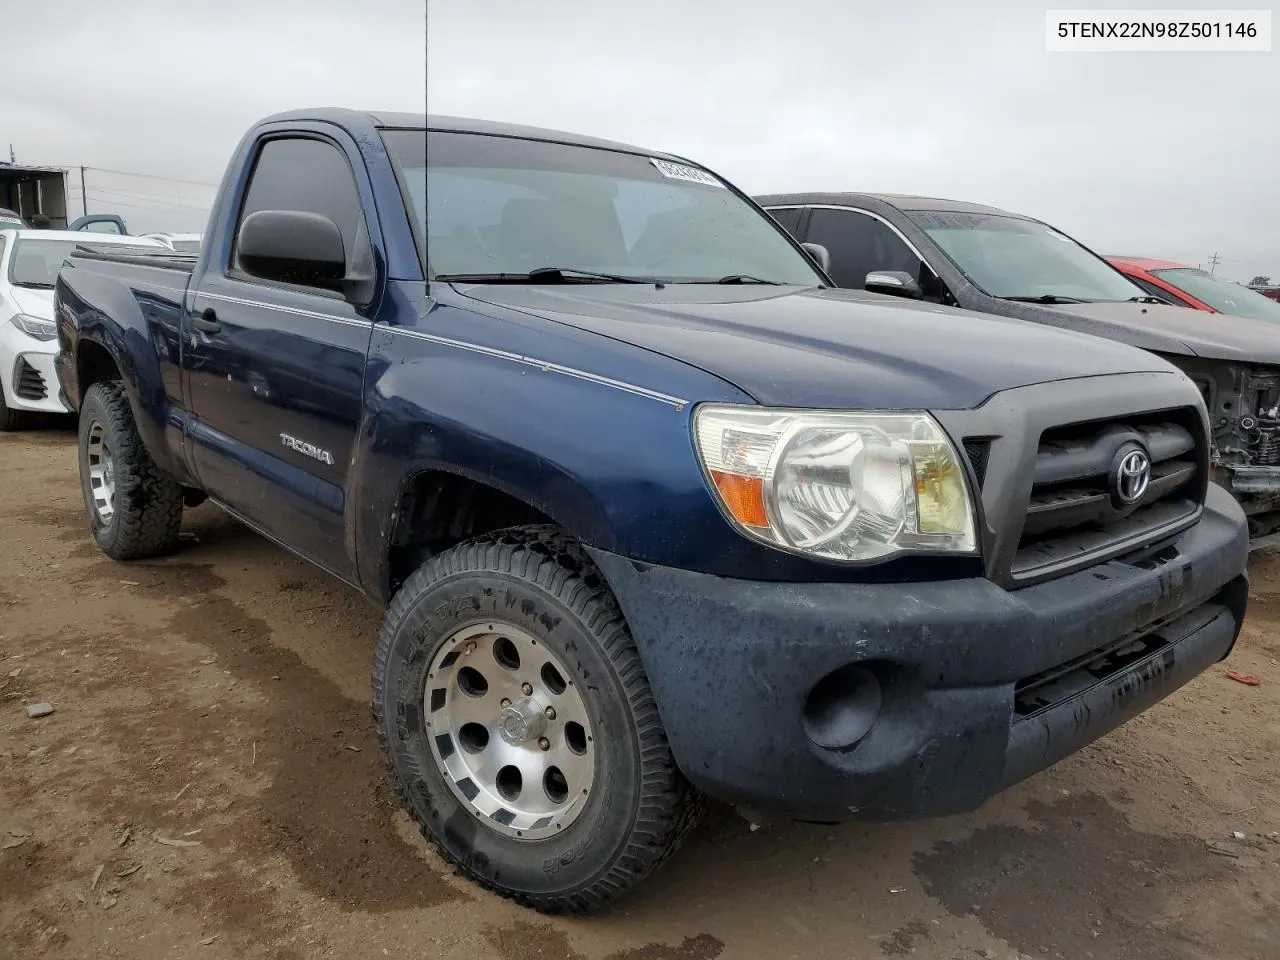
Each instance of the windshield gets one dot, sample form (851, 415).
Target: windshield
(1224, 297)
(35, 263)
(1019, 259)
(6, 223)
(500, 207)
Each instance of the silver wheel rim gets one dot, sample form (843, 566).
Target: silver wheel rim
(102, 473)
(509, 730)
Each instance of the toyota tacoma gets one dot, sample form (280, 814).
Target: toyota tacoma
(655, 512)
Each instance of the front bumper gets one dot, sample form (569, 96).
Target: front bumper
(975, 687)
(28, 370)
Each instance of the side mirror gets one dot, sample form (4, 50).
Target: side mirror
(896, 282)
(100, 223)
(291, 246)
(821, 254)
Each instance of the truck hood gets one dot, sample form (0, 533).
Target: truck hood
(36, 303)
(791, 346)
(1166, 329)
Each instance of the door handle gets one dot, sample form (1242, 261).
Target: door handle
(207, 320)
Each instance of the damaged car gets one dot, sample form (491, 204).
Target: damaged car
(990, 260)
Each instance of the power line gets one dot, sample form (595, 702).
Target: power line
(116, 202)
(132, 173)
(136, 195)
(152, 176)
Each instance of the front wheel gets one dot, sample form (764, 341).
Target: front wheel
(519, 727)
(135, 509)
(10, 419)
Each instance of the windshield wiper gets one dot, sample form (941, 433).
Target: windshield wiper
(541, 275)
(746, 278)
(1145, 300)
(1047, 298)
(32, 285)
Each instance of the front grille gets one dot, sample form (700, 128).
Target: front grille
(1076, 512)
(27, 382)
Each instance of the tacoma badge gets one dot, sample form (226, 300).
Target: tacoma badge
(307, 449)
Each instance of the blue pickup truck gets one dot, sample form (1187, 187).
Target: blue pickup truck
(656, 513)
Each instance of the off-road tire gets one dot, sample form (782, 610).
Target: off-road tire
(10, 419)
(147, 518)
(641, 807)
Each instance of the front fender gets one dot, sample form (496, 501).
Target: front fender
(592, 432)
(610, 462)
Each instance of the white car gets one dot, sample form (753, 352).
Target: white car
(29, 265)
(177, 242)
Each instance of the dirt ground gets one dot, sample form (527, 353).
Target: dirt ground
(209, 786)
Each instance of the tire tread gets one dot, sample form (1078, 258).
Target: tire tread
(669, 807)
(148, 523)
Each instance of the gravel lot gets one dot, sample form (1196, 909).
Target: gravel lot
(209, 786)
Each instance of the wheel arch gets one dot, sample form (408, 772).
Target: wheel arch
(439, 506)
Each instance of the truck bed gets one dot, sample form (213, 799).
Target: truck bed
(142, 256)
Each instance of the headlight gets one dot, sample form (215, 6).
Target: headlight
(838, 485)
(35, 327)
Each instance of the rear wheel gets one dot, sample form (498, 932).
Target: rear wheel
(519, 727)
(135, 509)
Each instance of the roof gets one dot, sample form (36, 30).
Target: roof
(498, 129)
(428, 121)
(1146, 263)
(902, 201)
(347, 117)
(22, 168)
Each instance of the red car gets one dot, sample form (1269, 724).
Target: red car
(1186, 286)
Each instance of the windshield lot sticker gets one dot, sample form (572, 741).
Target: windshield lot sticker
(678, 171)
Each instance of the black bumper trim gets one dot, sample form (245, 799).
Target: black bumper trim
(731, 663)
(1203, 637)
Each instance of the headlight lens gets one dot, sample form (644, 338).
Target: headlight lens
(35, 327)
(838, 485)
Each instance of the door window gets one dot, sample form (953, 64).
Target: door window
(859, 245)
(788, 218)
(311, 176)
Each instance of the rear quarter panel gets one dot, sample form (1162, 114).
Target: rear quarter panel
(133, 313)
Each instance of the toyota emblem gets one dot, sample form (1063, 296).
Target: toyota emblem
(1132, 476)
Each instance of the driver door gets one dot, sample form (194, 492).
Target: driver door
(275, 371)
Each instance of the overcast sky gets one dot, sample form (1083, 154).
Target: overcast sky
(1163, 154)
(168, 88)
(1174, 155)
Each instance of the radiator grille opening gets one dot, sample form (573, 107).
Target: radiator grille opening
(1077, 510)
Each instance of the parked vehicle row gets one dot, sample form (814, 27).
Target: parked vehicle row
(656, 510)
(29, 263)
(1187, 286)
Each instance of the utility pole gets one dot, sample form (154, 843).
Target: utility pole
(12, 157)
(1213, 263)
(84, 196)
